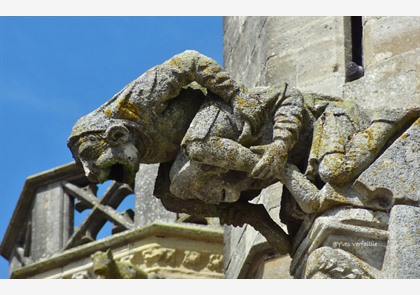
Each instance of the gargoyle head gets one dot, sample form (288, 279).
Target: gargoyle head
(106, 148)
(112, 141)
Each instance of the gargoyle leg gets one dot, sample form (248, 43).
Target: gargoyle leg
(362, 149)
(236, 213)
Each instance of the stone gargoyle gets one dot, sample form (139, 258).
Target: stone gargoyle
(220, 144)
(105, 266)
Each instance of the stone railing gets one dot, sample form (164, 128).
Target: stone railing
(47, 237)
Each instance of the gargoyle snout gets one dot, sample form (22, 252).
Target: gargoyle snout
(117, 135)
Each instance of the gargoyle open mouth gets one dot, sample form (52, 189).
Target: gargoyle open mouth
(120, 171)
(117, 172)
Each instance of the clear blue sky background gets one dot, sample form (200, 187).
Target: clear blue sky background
(53, 70)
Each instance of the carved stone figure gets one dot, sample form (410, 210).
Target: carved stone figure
(153, 256)
(191, 259)
(213, 137)
(215, 262)
(219, 144)
(106, 267)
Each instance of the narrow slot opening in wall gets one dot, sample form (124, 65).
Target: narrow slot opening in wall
(355, 69)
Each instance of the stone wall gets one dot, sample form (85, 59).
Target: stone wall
(306, 52)
(391, 54)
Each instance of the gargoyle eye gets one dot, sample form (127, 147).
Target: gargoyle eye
(92, 138)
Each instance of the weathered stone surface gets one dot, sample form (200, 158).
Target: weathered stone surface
(391, 51)
(282, 49)
(145, 248)
(220, 141)
(272, 53)
(106, 267)
(396, 170)
(391, 83)
(388, 36)
(403, 250)
(238, 53)
(149, 209)
(245, 246)
(276, 268)
(52, 221)
(236, 141)
(360, 232)
(287, 55)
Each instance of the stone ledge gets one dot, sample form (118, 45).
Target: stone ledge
(161, 230)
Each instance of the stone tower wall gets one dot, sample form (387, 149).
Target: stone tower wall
(391, 54)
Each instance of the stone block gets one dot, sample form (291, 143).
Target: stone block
(391, 84)
(389, 36)
(403, 250)
(240, 54)
(284, 24)
(149, 208)
(281, 68)
(358, 231)
(326, 85)
(276, 268)
(292, 34)
(396, 170)
(240, 251)
(310, 52)
(324, 62)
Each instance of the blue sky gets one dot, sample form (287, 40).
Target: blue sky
(53, 70)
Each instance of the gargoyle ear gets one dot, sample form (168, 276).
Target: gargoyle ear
(117, 134)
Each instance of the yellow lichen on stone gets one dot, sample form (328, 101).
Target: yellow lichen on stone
(128, 110)
(108, 112)
(208, 70)
(371, 144)
(245, 103)
(177, 63)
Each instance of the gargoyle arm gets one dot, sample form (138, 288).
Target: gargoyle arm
(229, 154)
(183, 69)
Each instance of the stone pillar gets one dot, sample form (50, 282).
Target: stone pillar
(52, 221)
(248, 252)
(149, 208)
(403, 250)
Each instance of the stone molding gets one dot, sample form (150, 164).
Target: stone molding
(162, 250)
